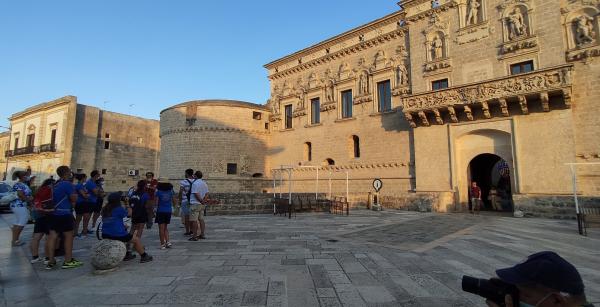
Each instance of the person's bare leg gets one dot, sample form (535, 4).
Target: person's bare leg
(194, 227)
(78, 219)
(202, 227)
(167, 233)
(35, 244)
(161, 233)
(186, 223)
(95, 219)
(51, 242)
(86, 223)
(68, 237)
(139, 229)
(16, 232)
(137, 245)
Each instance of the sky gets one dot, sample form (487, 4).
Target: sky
(139, 57)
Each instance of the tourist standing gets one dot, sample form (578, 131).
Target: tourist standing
(82, 210)
(64, 197)
(165, 197)
(113, 227)
(185, 190)
(19, 206)
(151, 184)
(42, 207)
(203, 191)
(95, 211)
(92, 200)
(475, 197)
(137, 202)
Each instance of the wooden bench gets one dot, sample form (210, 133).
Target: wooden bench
(282, 206)
(592, 217)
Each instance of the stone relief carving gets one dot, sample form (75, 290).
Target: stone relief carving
(437, 46)
(516, 24)
(329, 92)
(244, 165)
(363, 83)
(344, 71)
(218, 166)
(522, 44)
(301, 94)
(583, 30)
(509, 87)
(473, 12)
(437, 65)
(401, 75)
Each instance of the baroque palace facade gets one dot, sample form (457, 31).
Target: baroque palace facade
(442, 93)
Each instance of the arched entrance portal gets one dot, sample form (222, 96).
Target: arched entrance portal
(492, 174)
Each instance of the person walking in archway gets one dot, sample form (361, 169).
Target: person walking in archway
(475, 197)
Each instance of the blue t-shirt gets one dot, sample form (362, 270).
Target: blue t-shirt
(113, 225)
(165, 201)
(80, 188)
(20, 186)
(61, 197)
(90, 185)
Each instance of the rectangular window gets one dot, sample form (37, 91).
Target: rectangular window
(106, 144)
(520, 68)
(266, 126)
(231, 168)
(53, 137)
(256, 115)
(347, 104)
(16, 143)
(80, 171)
(288, 116)
(315, 111)
(384, 93)
(103, 171)
(30, 140)
(107, 135)
(439, 84)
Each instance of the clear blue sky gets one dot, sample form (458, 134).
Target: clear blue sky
(155, 54)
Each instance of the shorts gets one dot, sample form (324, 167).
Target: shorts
(21, 215)
(82, 208)
(196, 212)
(476, 201)
(139, 218)
(97, 206)
(163, 218)
(61, 223)
(125, 239)
(185, 208)
(41, 224)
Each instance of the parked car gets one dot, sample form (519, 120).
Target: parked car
(5, 188)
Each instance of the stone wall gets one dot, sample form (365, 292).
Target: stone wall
(556, 207)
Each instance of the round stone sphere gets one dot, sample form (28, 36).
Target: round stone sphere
(107, 254)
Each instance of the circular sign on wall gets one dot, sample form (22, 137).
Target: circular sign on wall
(377, 184)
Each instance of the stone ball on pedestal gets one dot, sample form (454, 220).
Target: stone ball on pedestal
(107, 254)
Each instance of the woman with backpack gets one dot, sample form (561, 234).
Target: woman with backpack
(82, 209)
(165, 197)
(19, 206)
(137, 203)
(42, 206)
(113, 227)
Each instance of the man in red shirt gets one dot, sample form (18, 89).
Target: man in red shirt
(475, 197)
(151, 184)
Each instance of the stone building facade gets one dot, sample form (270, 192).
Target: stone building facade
(4, 138)
(429, 99)
(64, 132)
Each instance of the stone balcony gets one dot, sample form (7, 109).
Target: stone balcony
(542, 90)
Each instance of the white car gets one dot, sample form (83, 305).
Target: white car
(5, 188)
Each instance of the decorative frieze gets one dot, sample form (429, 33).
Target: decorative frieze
(331, 105)
(437, 65)
(362, 99)
(513, 46)
(583, 55)
(357, 166)
(299, 112)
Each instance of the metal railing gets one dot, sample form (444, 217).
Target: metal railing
(30, 150)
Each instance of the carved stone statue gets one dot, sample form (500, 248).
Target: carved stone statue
(329, 91)
(436, 48)
(275, 103)
(363, 84)
(401, 75)
(473, 12)
(516, 24)
(301, 95)
(584, 31)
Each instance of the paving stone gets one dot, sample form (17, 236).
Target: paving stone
(326, 292)
(276, 288)
(375, 294)
(254, 298)
(329, 302)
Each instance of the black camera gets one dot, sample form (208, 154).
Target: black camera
(492, 289)
(123, 198)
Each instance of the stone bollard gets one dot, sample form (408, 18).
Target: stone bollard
(107, 254)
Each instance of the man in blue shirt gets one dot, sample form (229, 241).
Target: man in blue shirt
(92, 201)
(61, 221)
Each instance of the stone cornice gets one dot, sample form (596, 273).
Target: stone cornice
(211, 129)
(394, 17)
(355, 166)
(342, 53)
(44, 106)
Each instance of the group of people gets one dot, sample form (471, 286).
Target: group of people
(60, 207)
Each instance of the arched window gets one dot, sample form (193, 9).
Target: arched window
(308, 151)
(355, 146)
(328, 161)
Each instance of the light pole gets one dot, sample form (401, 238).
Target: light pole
(7, 148)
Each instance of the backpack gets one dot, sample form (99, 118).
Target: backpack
(9, 197)
(189, 191)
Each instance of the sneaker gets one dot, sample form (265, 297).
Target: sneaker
(46, 260)
(17, 243)
(72, 264)
(129, 256)
(50, 265)
(146, 258)
(194, 238)
(202, 237)
(189, 233)
(35, 259)
(168, 245)
(163, 246)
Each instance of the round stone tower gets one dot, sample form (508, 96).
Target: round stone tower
(227, 140)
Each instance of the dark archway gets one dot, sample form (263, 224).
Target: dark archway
(492, 175)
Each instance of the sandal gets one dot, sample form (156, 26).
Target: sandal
(194, 238)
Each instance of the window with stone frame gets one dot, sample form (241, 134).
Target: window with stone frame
(439, 84)
(308, 151)
(355, 146)
(521, 68)
(384, 95)
(288, 116)
(315, 111)
(347, 104)
(231, 168)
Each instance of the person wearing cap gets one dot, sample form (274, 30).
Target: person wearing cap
(113, 227)
(544, 279)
